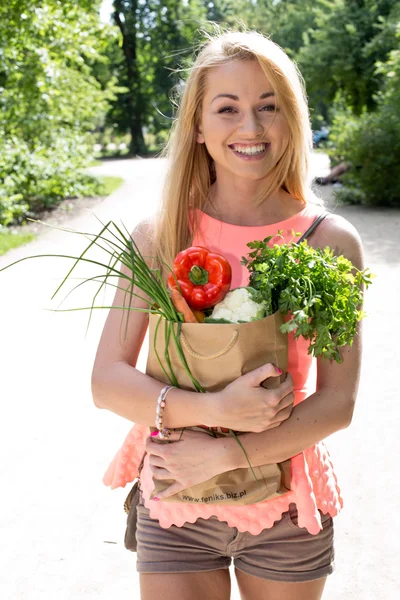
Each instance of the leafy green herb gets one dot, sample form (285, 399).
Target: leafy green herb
(321, 292)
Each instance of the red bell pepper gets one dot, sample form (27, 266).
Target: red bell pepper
(204, 277)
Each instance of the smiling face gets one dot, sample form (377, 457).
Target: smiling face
(242, 126)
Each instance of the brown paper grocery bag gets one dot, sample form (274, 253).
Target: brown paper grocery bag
(216, 355)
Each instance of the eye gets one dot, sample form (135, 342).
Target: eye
(230, 110)
(270, 108)
(226, 109)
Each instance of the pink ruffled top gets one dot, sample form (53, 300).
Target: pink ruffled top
(313, 482)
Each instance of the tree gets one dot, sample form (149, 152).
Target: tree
(371, 143)
(46, 68)
(339, 54)
(156, 37)
(125, 16)
(285, 21)
(50, 100)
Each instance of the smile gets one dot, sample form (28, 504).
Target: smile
(252, 152)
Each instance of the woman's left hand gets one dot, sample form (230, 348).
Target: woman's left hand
(192, 458)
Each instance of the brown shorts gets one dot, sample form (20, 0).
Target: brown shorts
(284, 552)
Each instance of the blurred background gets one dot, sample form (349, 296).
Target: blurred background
(86, 90)
(85, 80)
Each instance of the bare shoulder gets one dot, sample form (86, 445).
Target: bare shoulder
(143, 234)
(341, 236)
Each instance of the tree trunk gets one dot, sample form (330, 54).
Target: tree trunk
(135, 99)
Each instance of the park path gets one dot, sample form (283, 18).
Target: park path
(61, 529)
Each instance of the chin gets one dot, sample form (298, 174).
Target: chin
(251, 175)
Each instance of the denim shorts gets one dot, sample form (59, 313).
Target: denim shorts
(284, 552)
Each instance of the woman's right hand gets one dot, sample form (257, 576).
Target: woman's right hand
(244, 405)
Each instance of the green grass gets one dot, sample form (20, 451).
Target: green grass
(95, 163)
(10, 240)
(110, 184)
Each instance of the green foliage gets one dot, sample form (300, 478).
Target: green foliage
(38, 179)
(9, 240)
(321, 292)
(52, 94)
(64, 75)
(232, 13)
(46, 63)
(371, 143)
(340, 51)
(285, 21)
(157, 38)
(351, 195)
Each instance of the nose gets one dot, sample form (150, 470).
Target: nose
(251, 124)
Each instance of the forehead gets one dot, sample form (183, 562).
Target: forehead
(242, 78)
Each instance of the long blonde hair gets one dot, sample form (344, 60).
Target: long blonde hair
(190, 171)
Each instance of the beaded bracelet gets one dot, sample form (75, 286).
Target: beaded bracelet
(164, 432)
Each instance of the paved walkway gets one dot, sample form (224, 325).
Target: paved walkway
(61, 529)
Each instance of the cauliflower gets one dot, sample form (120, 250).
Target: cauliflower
(240, 305)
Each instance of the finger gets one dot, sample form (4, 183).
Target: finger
(283, 414)
(287, 400)
(159, 473)
(259, 375)
(156, 445)
(284, 389)
(170, 491)
(156, 461)
(155, 448)
(287, 385)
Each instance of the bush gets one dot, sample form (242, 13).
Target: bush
(350, 195)
(371, 144)
(56, 84)
(34, 180)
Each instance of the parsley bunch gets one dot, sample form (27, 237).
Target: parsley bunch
(321, 292)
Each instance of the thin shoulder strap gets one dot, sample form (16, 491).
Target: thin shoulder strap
(312, 227)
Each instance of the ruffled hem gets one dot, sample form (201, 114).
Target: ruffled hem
(314, 488)
(124, 466)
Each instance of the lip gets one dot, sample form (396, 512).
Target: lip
(249, 157)
(255, 143)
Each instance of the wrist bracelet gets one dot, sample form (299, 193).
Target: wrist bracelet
(164, 433)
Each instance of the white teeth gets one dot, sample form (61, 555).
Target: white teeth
(249, 150)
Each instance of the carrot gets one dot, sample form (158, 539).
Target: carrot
(200, 316)
(182, 306)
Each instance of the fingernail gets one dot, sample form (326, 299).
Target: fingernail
(154, 433)
(156, 499)
(279, 371)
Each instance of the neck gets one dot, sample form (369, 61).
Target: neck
(233, 201)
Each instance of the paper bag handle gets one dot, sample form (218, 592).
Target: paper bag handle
(210, 356)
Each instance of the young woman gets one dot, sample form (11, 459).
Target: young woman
(239, 155)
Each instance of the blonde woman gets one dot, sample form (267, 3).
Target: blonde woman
(238, 171)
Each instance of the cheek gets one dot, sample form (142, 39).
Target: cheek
(216, 129)
(278, 131)
(283, 128)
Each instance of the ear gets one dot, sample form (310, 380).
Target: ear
(199, 135)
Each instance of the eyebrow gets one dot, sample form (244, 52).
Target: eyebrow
(236, 98)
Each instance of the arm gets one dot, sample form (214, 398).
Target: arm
(117, 385)
(331, 407)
